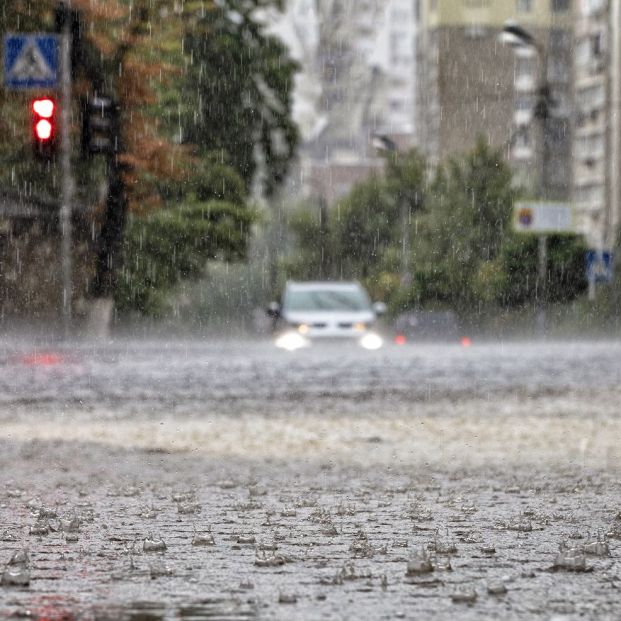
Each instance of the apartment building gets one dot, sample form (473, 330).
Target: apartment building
(365, 62)
(597, 134)
(399, 65)
(470, 84)
(357, 61)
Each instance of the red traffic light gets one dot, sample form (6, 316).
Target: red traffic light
(44, 127)
(44, 108)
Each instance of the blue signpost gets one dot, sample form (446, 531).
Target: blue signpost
(30, 61)
(599, 266)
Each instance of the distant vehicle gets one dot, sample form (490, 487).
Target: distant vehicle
(428, 325)
(325, 310)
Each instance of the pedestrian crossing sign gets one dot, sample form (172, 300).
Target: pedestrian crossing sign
(30, 61)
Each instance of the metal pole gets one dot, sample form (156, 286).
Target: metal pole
(67, 177)
(542, 289)
(543, 106)
(614, 210)
(273, 243)
(591, 290)
(323, 236)
(406, 277)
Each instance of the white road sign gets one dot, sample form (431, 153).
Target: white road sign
(543, 217)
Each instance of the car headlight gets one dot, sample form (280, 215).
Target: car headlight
(371, 341)
(291, 341)
(360, 327)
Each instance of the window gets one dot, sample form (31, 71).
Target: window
(559, 41)
(417, 10)
(524, 102)
(475, 31)
(524, 6)
(583, 52)
(525, 74)
(524, 67)
(400, 16)
(592, 97)
(590, 7)
(559, 6)
(522, 137)
(558, 70)
(591, 146)
(558, 132)
(400, 42)
(557, 171)
(589, 194)
(597, 45)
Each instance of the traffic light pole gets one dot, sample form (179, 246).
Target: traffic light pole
(67, 183)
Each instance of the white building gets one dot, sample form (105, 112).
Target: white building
(597, 136)
(357, 79)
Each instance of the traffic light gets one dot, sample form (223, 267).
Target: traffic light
(100, 129)
(44, 130)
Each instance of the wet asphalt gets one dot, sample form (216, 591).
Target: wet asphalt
(283, 526)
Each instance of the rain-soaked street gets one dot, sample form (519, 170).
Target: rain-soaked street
(213, 479)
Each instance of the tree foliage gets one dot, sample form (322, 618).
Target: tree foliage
(464, 254)
(173, 244)
(518, 264)
(237, 92)
(361, 236)
(199, 85)
(468, 213)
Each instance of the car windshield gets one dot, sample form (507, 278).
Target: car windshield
(326, 300)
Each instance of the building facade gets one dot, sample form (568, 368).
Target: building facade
(357, 61)
(597, 139)
(470, 84)
(436, 74)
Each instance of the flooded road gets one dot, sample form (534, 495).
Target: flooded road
(150, 378)
(204, 480)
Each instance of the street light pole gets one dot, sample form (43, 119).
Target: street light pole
(405, 276)
(542, 289)
(514, 35)
(385, 144)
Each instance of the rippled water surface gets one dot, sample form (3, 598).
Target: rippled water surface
(152, 481)
(188, 376)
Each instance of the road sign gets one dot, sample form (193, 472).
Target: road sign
(543, 217)
(599, 266)
(30, 61)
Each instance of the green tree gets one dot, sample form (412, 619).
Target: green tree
(469, 209)
(232, 91)
(237, 91)
(174, 243)
(314, 256)
(519, 267)
(134, 51)
(360, 237)
(366, 227)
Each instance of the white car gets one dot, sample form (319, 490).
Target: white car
(325, 310)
